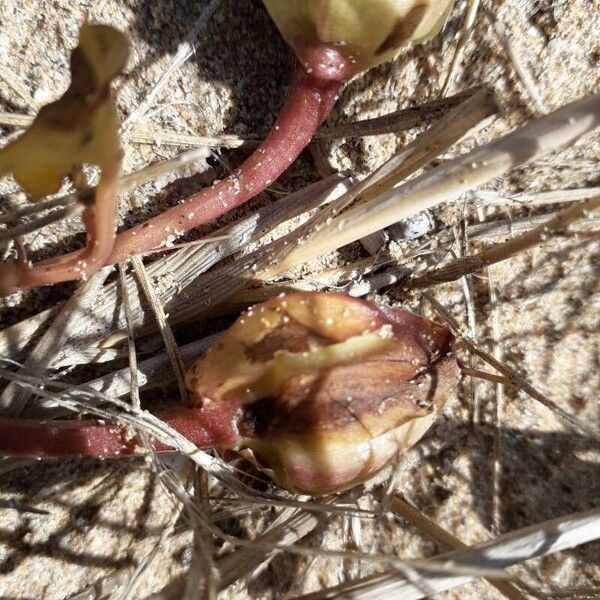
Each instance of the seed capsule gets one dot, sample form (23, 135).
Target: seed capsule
(338, 38)
(331, 388)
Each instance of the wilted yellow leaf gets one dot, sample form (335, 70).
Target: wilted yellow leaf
(81, 127)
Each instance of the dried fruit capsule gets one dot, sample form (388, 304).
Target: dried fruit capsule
(331, 388)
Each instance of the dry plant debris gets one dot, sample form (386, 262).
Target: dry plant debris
(499, 458)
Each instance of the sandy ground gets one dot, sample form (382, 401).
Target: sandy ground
(68, 525)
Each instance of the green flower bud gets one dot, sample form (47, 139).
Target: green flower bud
(335, 39)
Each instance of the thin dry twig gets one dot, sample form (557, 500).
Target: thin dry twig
(499, 252)
(512, 548)
(396, 121)
(440, 536)
(515, 379)
(163, 326)
(465, 30)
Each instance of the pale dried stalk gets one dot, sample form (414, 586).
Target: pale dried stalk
(484, 231)
(134, 386)
(440, 136)
(491, 198)
(512, 548)
(499, 252)
(450, 179)
(440, 536)
(515, 379)
(169, 138)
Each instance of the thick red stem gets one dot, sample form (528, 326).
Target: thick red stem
(309, 101)
(207, 426)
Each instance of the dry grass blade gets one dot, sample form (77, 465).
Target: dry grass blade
(78, 307)
(184, 52)
(514, 377)
(489, 197)
(396, 121)
(507, 550)
(134, 386)
(465, 30)
(505, 228)
(440, 536)
(499, 252)
(52, 217)
(158, 137)
(448, 181)
(168, 138)
(163, 325)
(12, 81)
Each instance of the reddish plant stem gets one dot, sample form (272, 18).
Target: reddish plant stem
(308, 102)
(100, 223)
(206, 426)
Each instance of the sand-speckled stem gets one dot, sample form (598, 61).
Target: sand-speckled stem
(309, 101)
